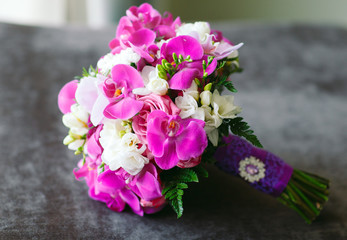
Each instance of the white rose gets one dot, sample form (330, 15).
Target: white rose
(205, 98)
(153, 83)
(187, 104)
(158, 86)
(223, 106)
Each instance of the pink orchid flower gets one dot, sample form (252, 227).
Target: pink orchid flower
(119, 92)
(144, 15)
(146, 184)
(141, 41)
(167, 27)
(108, 187)
(224, 47)
(172, 139)
(185, 46)
(109, 182)
(66, 96)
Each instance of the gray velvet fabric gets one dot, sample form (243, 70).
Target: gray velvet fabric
(293, 94)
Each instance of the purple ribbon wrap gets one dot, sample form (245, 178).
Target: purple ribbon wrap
(237, 150)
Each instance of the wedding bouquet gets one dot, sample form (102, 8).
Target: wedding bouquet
(150, 115)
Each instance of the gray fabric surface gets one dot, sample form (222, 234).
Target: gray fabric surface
(293, 94)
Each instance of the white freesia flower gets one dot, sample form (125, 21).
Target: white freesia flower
(110, 135)
(126, 56)
(153, 83)
(223, 106)
(77, 121)
(76, 144)
(132, 162)
(130, 143)
(121, 148)
(206, 98)
(212, 122)
(200, 30)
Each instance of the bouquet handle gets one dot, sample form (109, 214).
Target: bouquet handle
(306, 193)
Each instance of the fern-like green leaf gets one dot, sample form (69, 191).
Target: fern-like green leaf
(175, 181)
(241, 128)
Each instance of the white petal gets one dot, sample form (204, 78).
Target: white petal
(206, 98)
(141, 91)
(67, 140)
(213, 137)
(146, 71)
(75, 145)
(224, 106)
(87, 92)
(97, 113)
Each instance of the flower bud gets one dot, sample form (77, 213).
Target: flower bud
(205, 98)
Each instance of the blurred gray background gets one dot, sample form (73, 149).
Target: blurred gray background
(101, 13)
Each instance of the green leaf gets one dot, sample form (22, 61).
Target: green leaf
(175, 181)
(242, 129)
(179, 175)
(171, 194)
(177, 206)
(229, 85)
(201, 171)
(182, 185)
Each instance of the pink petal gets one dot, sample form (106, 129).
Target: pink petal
(148, 187)
(187, 145)
(115, 203)
(130, 75)
(125, 26)
(142, 37)
(142, 52)
(183, 79)
(170, 157)
(184, 45)
(124, 109)
(93, 146)
(66, 96)
(82, 172)
(225, 49)
(155, 135)
(130, 198)
(114, 43)
(110, 180)
(165, 31)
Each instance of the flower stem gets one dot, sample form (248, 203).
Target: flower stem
(306, 194)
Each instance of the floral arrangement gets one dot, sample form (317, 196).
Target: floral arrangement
(150, 115)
